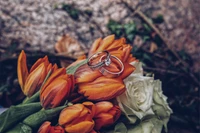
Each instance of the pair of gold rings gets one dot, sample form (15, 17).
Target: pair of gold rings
(102, 60)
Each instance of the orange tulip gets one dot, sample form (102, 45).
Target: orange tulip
(78, 118)
(118, 48)
(31, 82)
(56, 89)
(106, 114)
(102, 88)
(47, 128)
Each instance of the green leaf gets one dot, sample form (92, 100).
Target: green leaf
(73, 69)
(20, 128)
(17, 113)
(150, 125)
(147, 28)
(35, 120)
(130, 28)
(120, 128)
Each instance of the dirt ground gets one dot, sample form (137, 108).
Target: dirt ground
(37, 25)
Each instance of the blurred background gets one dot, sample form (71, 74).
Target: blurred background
(164, 35)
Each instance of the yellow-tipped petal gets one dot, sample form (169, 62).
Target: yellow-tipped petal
(103, 106)
(70, 113)
(22, 71)
(82, 127)
(106, 42)
(95, 46)
(102, 88)
(34, 80)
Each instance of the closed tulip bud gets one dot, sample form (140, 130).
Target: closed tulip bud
(106, 114)
(56, 89)
(31, 82)
(78, 118)
(47, 128)
(102, 88)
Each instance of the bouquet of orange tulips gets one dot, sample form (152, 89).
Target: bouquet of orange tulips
(104, 92)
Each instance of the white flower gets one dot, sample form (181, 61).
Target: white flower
(143, 97)
(150, 125)
(137, 100)
(160, 106)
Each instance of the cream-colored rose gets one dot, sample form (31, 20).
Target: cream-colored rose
(143, 97)
(160, 106)
(150, 125)
(138, 97)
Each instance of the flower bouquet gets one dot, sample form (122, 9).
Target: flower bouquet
(103, 92)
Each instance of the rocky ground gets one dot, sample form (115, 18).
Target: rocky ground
(38, 24)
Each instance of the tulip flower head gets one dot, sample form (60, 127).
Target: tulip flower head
(106, 114)
(95, 86)
(31, 81)
(78, 118)
(47, 128)
(57, 89)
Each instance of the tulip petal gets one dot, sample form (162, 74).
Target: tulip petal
(103, 106)
(45, 127)
(22, 71)
(55, 93)
(106, 42)
(115, 112)
(38, 62)
(53, 76)
(91, 107)
(103, 119)
(70, 113)
(116, 44)
(86, 74)
(128, 69)
(95, 46)
(82, 127)
(102, 88)
(34, 80)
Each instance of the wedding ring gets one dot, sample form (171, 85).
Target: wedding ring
(101, 62)
(111, 74)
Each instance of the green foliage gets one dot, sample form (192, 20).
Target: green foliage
(73, 12)
(129, 30)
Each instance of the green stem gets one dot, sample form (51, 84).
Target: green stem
(34, 98)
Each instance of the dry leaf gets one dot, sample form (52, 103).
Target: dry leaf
(68, 46)
(153, 47)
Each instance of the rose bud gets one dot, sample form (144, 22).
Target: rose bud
(56, 89)
(31, 82)
(106, 114)
(78, 118)
(47, 128)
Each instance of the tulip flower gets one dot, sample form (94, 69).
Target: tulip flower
(47, 128)
(102, 88)
(95, 86)
(78, 118)
(31, 81)
(56, 89)
(106, 114)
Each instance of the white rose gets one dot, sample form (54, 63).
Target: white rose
(160, 106)
(143, 96)
(150, 125)
(138, 97)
